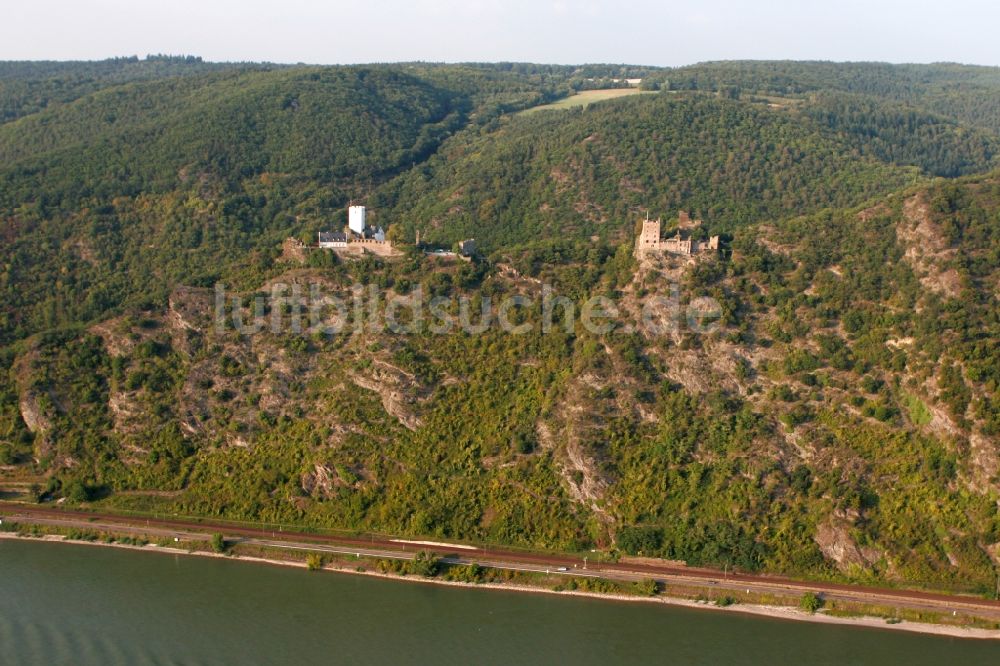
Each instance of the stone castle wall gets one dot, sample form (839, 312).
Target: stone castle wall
(649, 238)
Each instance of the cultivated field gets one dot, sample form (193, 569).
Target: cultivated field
(585, 98)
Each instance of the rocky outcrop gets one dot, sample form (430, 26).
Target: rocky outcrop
(400, 391)
(33, 416)
(32, 413)
(293, 251)
(835, 541)
(319, 482)
(926, 248)
(569, 432)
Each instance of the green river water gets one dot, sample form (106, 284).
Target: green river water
(64, 604)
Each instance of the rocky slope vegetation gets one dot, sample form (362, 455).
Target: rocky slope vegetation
(839, 419)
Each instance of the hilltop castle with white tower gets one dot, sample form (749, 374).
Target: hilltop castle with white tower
(357, 236)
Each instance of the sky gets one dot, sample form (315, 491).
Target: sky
(646, 32)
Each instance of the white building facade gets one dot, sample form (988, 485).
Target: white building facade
(356, 219)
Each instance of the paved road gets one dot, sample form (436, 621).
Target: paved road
(381, 547)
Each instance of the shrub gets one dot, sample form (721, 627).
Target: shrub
(424, 564)
(470, 573)
(811, 602)
(76, 491)
(646, 587)
(801, 479)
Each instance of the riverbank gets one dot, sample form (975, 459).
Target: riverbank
(774, 612)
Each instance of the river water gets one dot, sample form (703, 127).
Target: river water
(65, 604)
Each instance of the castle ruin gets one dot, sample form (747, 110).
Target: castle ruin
(650, 241)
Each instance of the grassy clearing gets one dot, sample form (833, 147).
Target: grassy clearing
(775, 101)
(586, 98)
(918, 411)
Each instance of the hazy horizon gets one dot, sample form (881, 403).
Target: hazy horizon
(144, 56)
(557, 32)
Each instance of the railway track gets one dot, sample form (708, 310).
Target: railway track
(380, 546)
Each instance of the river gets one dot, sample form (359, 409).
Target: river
(70, 604)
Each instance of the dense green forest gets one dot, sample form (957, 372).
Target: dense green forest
(29, 87)
(899, 134)
(966, 93)
(842, 422)
(596, 170)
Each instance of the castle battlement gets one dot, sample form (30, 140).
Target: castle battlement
(650, 241)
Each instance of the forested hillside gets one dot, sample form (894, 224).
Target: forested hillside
(900, 134)
(966, 93)
(143, 173)
(841, 422)
(118, 195)
(113, 196)
(595, 170)
(28, 87)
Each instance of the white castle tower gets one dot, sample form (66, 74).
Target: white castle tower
(356, 219)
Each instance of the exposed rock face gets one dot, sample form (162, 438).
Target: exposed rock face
(984, 461)
(31, 411)
(835, 541)
(570, 433)
(293, 251)
(32, 415)
(585, 481)
(399, 390)
(127, 413)
(927, 249)
(190, 309)
(319, 482)
(30, 406)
